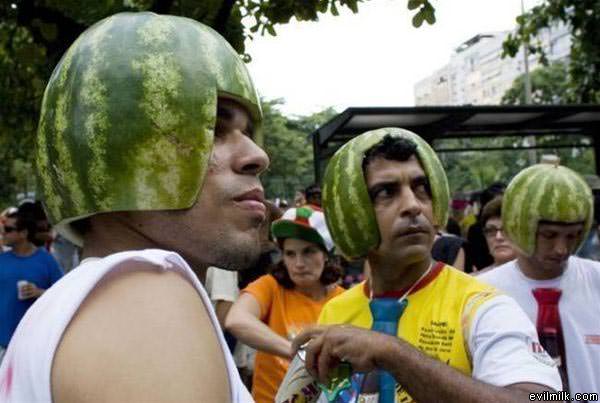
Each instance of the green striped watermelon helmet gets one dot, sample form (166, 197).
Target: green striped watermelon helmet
(348, 208)
(129, 114)
(544, 192)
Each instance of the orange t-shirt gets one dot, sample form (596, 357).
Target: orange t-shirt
(286, 312)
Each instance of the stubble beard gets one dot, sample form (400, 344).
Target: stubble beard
(233, 252)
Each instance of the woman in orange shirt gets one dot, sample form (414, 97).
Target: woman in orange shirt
(273, 309)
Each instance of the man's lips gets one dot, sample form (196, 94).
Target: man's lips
(253, 200)
(412, 231)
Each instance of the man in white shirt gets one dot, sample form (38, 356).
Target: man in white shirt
(147, 159)
(559, 291)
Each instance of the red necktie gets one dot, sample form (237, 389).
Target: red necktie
(549, 328)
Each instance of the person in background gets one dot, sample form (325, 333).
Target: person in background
(449, 249)
(26, 272)
(500, 247)
(453, 227)
(299, 199)
(3, 215)
(275, 308)
(43, 231)
(558, 291)
(469, 214)
(313, 195)
(478, 255)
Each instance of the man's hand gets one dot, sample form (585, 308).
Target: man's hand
(30, 290)
(327, 346)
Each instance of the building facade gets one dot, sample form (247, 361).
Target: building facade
(477, 74)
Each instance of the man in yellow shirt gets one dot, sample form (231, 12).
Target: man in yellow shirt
(457, 339)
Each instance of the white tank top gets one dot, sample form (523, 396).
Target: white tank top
(25, 369)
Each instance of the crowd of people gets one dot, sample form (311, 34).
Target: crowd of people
(184, 284)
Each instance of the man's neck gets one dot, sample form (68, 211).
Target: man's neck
(110, 234)
(24, 249)
(387, 276)
(530, 269)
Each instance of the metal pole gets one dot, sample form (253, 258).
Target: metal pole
(530, 140)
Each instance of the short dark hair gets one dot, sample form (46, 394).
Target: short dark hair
(312, 194)
(331, 273)
(26, 222)
(391, 148)
(394, 149)
(312, 189)
(492, 209)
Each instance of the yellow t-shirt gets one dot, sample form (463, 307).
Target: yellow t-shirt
(286, 312)
(436, 319)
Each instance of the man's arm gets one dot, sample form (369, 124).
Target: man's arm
(222, 310)
(141, 336)
(244, 323)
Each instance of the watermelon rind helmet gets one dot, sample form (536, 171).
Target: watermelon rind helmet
(348, 207)
(545, 192)
(128, 116)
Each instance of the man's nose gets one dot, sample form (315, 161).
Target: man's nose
(410, 205)
(252, 159)
(561, 246)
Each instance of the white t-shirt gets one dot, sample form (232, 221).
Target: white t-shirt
(25, 371)
(221, 285)
(502, 343)
(579, 312)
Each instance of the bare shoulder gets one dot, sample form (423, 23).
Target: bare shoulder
(141, 335)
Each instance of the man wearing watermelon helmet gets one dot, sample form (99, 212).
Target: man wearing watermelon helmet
(147, 159)
(547, 215)
(384, 192)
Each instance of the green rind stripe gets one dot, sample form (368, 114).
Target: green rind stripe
(67, 178)
(512, 205)
(540, 187)
(96, 125)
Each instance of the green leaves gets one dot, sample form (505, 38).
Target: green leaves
(548, 87)
(290, 149)
(414, 4)
(583, 19)
(425, 13)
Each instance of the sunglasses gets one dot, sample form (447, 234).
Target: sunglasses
(10, 229)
